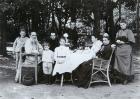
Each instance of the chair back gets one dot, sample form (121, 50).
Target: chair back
(23, 56)
(101, 64)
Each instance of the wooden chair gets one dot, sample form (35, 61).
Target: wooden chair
(62, 79)
(21, 65)
(101, 67)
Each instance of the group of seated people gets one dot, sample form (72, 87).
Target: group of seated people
(59, 59)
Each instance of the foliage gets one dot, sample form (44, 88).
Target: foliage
(45, 16)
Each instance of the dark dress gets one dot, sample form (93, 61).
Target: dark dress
(83, 72)
(53, 43)
(105, 52)
(123, 52)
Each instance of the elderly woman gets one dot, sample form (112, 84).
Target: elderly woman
(123, 54)
(83, 72)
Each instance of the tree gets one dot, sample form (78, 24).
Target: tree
(3, 8)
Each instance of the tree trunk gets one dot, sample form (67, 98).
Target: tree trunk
(120, 12)
(138, 18)
(2, 34)
(96, 12)
(110, 22)
(111, 26)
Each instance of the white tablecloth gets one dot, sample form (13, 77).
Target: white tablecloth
(76, 58)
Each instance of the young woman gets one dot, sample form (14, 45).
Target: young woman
(18, 46)
(48, 60)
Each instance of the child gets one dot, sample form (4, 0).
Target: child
(48, 60)
(60, 55)
(67, 43)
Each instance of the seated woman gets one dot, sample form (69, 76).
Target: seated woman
(105, 50)
(83, 72)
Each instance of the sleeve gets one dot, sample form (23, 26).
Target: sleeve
(117, 35)
(43, 56)
(68, 52)
(40, 48)
(131, 37)
(14, 45)
(52, 56)
(55, 54)
(95, 48)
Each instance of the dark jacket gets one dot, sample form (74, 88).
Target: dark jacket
(105, 52)
(53, 43)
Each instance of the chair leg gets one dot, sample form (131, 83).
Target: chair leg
(62, 78)
(90, 81)
(19, 73)
(72, 79)
(35, 75)
(108, 78)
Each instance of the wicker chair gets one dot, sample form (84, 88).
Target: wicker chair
(101, 67)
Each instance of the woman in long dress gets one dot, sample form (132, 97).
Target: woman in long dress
(123, 53)
(83, 72)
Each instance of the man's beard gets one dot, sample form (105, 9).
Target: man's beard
(34, 41)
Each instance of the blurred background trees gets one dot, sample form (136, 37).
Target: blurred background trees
(60, 16)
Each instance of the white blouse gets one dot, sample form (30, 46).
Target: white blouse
(61, 53)
(48, 56)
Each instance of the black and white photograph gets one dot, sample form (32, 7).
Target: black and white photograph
(69, 49)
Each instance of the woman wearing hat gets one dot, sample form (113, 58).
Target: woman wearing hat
(123, 53)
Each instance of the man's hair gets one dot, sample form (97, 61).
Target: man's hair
(62, 38)
(46, 44)
(22, 29)
(53, 33)
(32, 32)
(123, 21)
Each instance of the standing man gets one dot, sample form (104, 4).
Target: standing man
(18, 46)
(73, 35)
(53, 41)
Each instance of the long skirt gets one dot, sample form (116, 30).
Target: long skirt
(123, 59)
(83, 73)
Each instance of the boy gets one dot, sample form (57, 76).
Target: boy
(48, 60)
